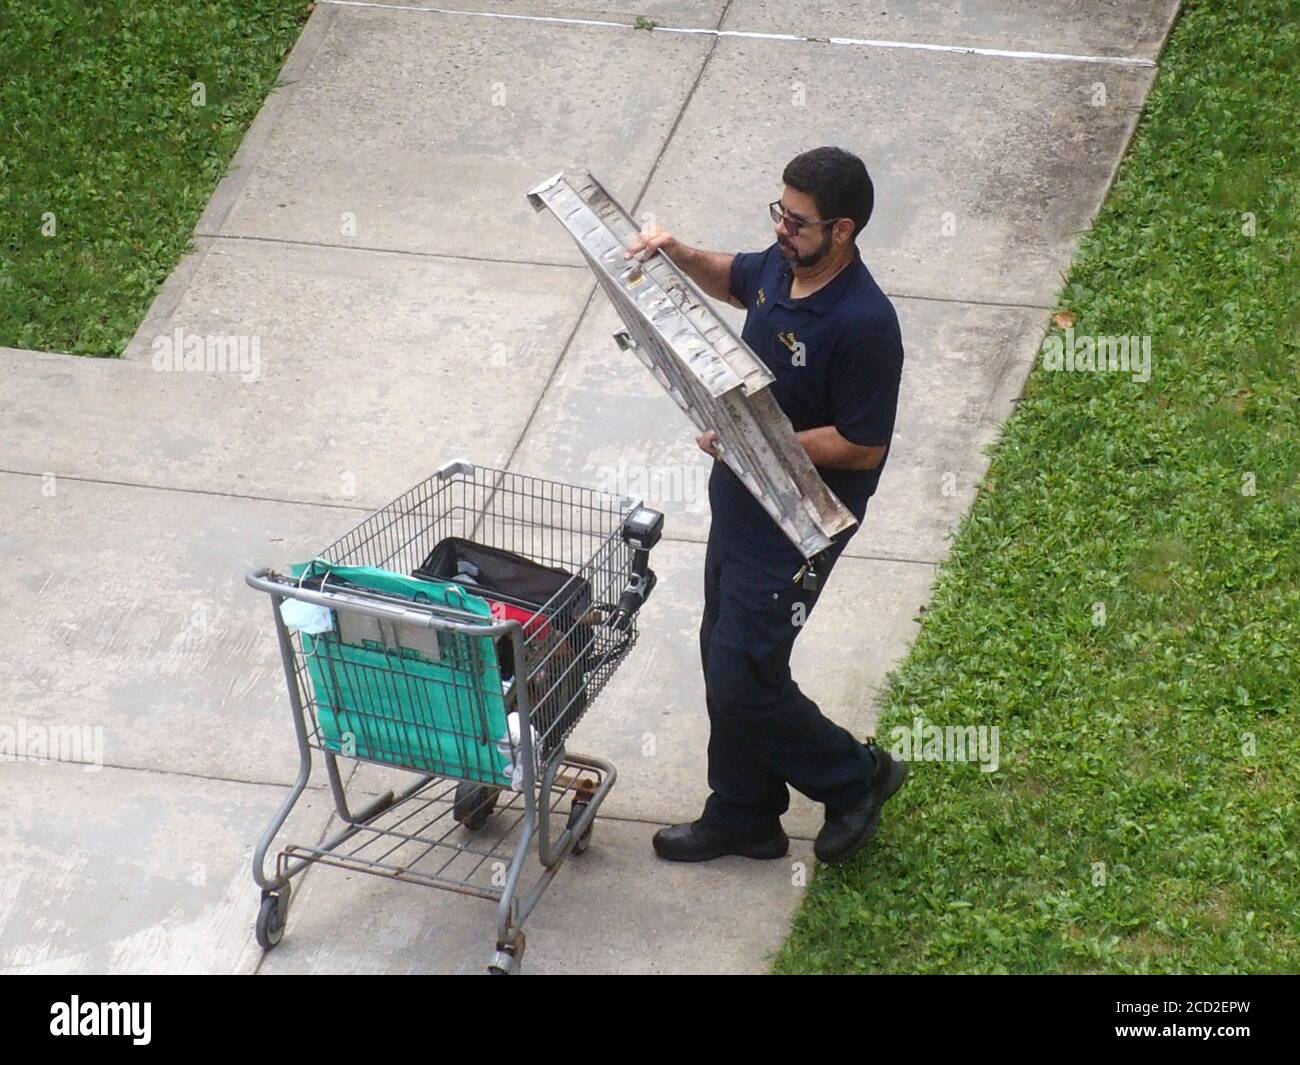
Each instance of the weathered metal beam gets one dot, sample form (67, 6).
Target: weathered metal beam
(709, 371)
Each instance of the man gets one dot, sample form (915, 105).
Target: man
(830, 336)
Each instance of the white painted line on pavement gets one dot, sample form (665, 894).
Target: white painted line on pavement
(861, 42)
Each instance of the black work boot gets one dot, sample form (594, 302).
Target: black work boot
(697, 842)
(848, 829)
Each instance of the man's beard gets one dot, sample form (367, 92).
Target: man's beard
(806, 261)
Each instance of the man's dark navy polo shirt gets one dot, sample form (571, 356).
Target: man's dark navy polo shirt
(837, 357)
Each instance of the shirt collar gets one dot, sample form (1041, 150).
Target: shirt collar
(825, 297)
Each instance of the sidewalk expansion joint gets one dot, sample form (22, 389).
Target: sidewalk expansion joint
(853, 42)
(891, 293)
(359, 507)
(390, 251)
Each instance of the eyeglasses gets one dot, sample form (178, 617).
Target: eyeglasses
(792, 223)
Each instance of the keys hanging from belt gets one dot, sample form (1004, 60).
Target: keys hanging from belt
(807, 576)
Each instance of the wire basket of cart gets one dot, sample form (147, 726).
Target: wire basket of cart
(459, 634)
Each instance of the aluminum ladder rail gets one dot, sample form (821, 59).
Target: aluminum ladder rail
(710, 372)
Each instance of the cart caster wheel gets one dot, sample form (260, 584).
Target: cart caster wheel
(576, 810)
(506, 961)
(271, 919)
(474, 804)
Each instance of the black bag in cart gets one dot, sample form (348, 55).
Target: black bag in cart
(551, 604)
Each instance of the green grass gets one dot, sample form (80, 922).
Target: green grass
(98, 128)
(1127, 743)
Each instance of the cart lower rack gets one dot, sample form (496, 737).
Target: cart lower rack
(459, 634)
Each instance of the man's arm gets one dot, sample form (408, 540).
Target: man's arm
(711, 270)
(830, 451)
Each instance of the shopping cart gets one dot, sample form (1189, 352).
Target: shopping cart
(395, 654)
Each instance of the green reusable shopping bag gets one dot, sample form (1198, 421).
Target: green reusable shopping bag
(391, 703)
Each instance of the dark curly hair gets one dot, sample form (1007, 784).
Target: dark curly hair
(837, 181)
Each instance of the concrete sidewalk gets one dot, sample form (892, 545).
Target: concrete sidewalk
(409, 306)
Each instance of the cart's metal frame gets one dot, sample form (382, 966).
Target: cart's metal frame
(408, 831)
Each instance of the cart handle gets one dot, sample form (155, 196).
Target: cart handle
(264, 580)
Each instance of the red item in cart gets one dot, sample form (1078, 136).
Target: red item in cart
(533, 623)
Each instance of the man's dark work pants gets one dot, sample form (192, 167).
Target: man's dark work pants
(764, 732)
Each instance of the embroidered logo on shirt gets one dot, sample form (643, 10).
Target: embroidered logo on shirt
(762, 296)
(799, 356)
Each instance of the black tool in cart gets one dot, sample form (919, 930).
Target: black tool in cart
(641, 531)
